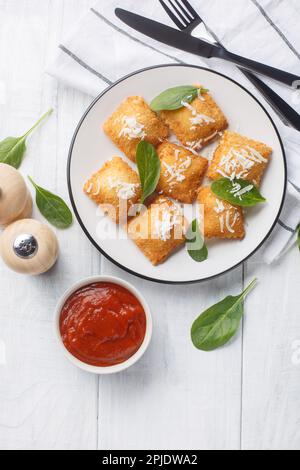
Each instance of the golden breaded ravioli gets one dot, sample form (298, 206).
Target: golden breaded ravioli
(159, 230)
(132, 122)
(181, 172)
(115, 187)
(220, 219)
(239, 157)
(198, 123)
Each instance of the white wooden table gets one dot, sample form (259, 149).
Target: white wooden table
(245, 396)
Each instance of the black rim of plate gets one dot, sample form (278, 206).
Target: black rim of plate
(162, 281)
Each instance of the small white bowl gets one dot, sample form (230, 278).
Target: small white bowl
(118, 367)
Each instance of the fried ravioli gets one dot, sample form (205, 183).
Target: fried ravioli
(198, 123)
(115, 188)
(239, 157)
(132, 122)
(159, 230)
(220, 219)
(181, 172)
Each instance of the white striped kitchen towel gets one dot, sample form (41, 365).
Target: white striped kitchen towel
(100, 49)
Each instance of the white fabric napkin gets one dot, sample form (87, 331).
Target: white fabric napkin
(100, 49)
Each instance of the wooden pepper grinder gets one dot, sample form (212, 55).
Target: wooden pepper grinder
(29, 247)
(15, 199)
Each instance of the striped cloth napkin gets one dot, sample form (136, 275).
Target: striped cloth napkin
(100, 49)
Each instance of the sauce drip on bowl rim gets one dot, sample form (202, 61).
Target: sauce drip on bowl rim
(102, 324)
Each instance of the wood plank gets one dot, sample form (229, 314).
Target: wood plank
(45, 402)
(176, 397)
(271, 400)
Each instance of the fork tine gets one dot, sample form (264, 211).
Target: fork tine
(173, 17)
(190, 9)
(185, 19)
(183, 10)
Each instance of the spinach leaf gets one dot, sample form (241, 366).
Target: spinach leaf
(172, 98)
(148, 165)
(12, 149)
(238, 192)
(52, 207)
(195, 244)
(218, 324)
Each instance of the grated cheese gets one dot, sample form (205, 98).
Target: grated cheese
(197, 119)
(175, 171)
(97, 192)
(219, 206)
(228, 226)
(132, 129)
(210, 136)
(200, 119)
(244, 158)
(124, 190)
(255, 154)
(89, 188)
(239, 191)
(224, 217)
(169, 219)
(194, 145)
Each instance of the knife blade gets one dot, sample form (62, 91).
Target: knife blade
(166, 34)
(185, 42)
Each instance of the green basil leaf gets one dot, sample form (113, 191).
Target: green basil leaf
(12, 149)
(218, 324)
(195, 243)
(52, 207)
(238, 192)
(172, 98)
(148, 165)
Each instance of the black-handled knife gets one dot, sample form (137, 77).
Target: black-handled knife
(185, 42)
(288, 115)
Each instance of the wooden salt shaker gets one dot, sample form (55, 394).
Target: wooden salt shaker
(29, 247)
(15, 199)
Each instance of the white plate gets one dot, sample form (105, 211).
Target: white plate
(90, 148)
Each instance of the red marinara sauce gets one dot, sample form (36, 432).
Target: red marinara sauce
(102, 324)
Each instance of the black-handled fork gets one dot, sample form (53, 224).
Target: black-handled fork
(187, 19)
(222, 53)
